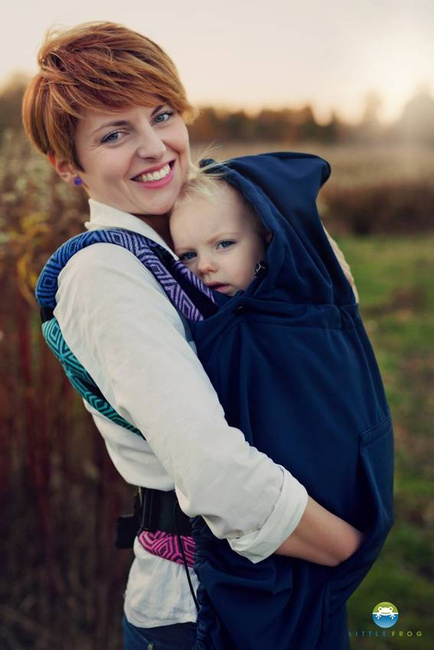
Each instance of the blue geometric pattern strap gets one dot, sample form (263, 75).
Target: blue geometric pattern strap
(181, 286)
(79, 377)
(178, 283)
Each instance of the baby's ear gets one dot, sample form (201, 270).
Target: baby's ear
(268, 237)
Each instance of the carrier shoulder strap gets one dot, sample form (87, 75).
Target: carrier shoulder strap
(185, 291)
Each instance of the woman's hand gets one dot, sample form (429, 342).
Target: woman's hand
(321, 537)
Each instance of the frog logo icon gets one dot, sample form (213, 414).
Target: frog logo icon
(385, 615)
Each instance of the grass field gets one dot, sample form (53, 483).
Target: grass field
(394, 278)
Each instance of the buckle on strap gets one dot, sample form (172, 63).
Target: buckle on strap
(146, 500)
(153, 510)
(160, 510)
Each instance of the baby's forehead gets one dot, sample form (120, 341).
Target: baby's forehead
(219, 193)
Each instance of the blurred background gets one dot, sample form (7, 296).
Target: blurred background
(352, 82)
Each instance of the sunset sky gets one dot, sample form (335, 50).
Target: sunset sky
(244, 53)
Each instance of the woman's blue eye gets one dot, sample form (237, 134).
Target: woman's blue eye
(225, 243)
(187, 257)
(163, 117)
(111, 137)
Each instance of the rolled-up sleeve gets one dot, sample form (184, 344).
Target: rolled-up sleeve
(124, 330)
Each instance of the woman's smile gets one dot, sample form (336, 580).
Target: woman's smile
(155, 174)
(134, 159)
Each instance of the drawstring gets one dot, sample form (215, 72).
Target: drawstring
(181, 546)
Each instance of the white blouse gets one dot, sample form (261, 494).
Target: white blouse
(120, 325)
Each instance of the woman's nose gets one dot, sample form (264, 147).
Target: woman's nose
(150, 144)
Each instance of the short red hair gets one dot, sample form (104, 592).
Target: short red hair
(95, 66)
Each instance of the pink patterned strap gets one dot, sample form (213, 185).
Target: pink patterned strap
(168, 546)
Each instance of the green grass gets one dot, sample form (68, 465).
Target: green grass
(394, 279)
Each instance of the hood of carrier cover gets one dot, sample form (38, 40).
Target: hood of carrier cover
(282, 188)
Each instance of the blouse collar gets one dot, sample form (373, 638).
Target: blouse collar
(105, 216)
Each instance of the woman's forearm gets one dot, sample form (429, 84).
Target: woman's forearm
(321, 537)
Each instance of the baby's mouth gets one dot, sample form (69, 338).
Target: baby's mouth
(217, 286)
(153, 176)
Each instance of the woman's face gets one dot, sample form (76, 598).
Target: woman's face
(134, 159)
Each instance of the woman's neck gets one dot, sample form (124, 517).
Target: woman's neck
(160, 223)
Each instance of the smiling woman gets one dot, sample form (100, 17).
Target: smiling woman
(135, 160)
(87, 131)
(120, 129)
(109, 110)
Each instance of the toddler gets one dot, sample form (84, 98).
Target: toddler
(221, 239)
(288, 358)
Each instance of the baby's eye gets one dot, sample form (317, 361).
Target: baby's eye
(187, 257)
(112, 137)
(225, 243)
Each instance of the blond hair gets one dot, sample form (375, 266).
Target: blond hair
(201, 183)
(207, 183)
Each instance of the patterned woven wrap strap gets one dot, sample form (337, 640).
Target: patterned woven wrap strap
(185, 291)
(169, 546)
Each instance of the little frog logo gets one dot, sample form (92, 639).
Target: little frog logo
(385, 614)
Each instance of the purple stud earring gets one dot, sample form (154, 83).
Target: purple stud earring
(77, 181)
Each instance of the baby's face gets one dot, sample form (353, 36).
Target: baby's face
(217, 239)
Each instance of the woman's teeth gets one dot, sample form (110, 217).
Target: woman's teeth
(153, 176)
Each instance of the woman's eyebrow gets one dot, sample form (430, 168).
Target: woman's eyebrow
(112, 123)
(124, 122)
(157, 108)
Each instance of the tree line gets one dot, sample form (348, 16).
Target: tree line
(415, 124)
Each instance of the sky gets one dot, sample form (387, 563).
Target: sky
(249, 54)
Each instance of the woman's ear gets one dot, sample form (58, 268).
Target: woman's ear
(64, 168)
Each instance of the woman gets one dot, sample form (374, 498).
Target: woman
(110, 112)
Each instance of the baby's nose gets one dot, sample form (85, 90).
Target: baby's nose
(205, 264)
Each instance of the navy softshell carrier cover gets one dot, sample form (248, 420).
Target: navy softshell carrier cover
(294, 370)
